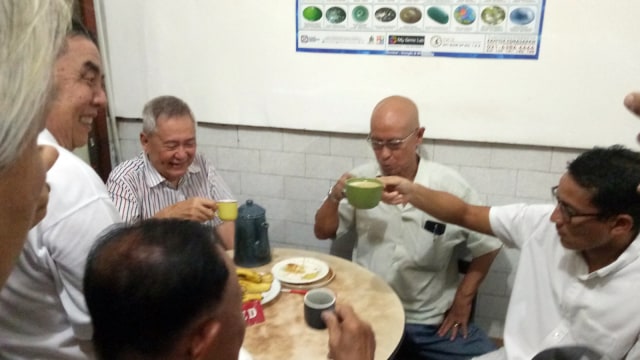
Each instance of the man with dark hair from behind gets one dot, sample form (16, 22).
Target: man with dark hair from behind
(164, 289)
(142, 283)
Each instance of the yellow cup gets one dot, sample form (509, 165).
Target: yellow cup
(227, 210)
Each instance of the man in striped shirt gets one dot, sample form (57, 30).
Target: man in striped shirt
(169, 179)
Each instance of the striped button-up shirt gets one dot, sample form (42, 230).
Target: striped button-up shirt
(139, 191)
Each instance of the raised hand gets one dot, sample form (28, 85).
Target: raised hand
(397, 190)
(632, 102)
(337, 191)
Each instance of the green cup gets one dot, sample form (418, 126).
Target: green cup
(364, 193)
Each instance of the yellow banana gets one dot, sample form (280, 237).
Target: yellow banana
(254, 276)
(251, 287)
(267, 278)
(249, 297)
(248, 274)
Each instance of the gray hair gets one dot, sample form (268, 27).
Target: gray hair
(31, 32)
(169, 106)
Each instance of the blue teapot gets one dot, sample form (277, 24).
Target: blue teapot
(252, 239)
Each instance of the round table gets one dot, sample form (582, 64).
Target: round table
(285, 335)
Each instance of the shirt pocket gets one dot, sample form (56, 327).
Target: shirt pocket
(427, 250)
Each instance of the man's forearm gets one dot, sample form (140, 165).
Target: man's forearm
(327, 220)
(226, 233)
(450, 208)
(478, 269)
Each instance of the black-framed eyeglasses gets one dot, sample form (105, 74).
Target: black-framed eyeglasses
(393, 144)
(566, 210)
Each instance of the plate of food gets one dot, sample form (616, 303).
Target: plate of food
(257, 285)
(300, 270)
(316, 284)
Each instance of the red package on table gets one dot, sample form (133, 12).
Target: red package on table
(252, 312)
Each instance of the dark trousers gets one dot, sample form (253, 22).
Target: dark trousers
(421, 342)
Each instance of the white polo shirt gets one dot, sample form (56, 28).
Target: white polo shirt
(42, 309)
(556, 301)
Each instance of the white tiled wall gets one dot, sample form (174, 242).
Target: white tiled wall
(289, 172)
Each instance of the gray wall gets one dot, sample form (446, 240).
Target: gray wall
(288, 172)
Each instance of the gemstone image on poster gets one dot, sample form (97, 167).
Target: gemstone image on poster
(410, 15)
(464, 14)
(438, 15)
(312, 13)
(493, 15)
(360, 13)
(336, 15)
(522, 16)
(385, 14)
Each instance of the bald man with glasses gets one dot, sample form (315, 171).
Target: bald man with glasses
(413, 251)
(575, 284)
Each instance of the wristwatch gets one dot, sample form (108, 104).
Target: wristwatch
(332, 197)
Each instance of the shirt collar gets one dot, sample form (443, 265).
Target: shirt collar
(629, 255)
(47, 137)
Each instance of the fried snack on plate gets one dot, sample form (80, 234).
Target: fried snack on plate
(294, 268)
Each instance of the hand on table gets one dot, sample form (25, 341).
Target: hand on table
(195, 208)
(349, 337)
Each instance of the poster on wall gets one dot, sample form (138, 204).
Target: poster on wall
(508, 29)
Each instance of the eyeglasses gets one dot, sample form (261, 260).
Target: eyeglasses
(567, 211)
(393, 144)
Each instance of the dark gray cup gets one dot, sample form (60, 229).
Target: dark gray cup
(315, 302)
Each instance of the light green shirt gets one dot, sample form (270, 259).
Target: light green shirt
(393, 243)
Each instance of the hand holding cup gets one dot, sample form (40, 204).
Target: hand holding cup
(315, 302)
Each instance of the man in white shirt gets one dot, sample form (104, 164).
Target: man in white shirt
(42, 309)
(579, 259)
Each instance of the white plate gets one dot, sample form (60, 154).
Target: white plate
(272, 293)
(300, 270)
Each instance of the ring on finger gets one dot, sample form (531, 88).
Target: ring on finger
(455, 325)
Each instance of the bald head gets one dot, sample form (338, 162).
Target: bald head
(396, 110)
(395, 135)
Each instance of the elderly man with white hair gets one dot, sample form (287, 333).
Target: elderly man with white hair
(30, 34)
